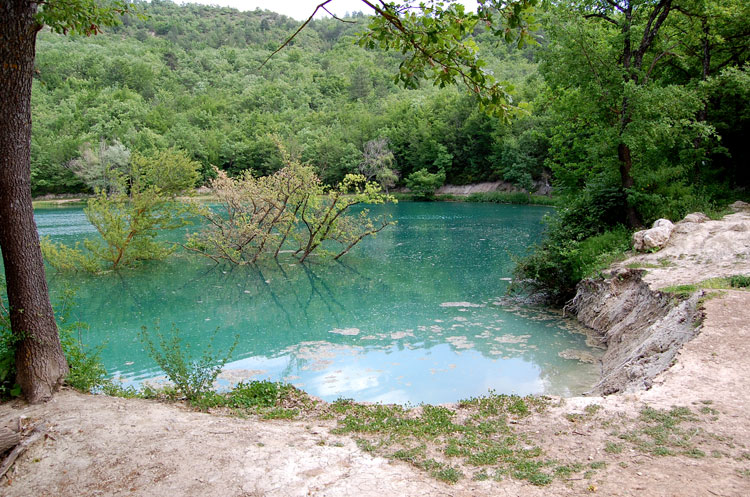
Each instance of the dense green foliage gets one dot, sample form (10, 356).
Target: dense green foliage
(189, 77)
(640, 94)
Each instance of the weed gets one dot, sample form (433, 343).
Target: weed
(709, 410)
(474, 434)
(566, 471)
(681, 291)
(659, 433)
(481, 476)
(695, 453)
(739, 281)
(530, 470)
(613, 448)
(365, 445)
(257, 394)
(194, 378)
(598, 465)
(449, 475)
(280, 413)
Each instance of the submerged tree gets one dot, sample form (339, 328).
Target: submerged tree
(288, 211)
(128, 224)
(104, 168)
(377, 163)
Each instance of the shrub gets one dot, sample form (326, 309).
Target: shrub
(262, 393)
(739, 281)
(8, 386)
(559, 264)
(87, 373)
(194, 378)
(423, 183)
(86, 370)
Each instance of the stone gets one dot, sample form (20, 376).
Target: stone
(654, 238)
(696, 217)
(739, 206)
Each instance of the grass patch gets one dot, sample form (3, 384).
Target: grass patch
(739, 281)
(683, 291)
(660, 432)
(448, 443)
(613, 448)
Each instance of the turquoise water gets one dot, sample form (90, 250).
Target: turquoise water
(413, 315)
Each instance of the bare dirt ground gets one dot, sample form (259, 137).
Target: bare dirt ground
(98, 445)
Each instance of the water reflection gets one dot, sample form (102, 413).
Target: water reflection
(411, 315)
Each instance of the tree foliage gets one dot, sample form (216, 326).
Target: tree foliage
(290, 211)
(188, 77)
(129, 224)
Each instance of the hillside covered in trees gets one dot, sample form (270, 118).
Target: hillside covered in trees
(190, 77)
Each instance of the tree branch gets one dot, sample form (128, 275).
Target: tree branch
(601, 16)
(288, 40)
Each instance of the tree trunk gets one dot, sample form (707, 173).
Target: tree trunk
(40, 363)
(626, 179)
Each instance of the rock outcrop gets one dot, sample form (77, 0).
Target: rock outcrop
(643, 327)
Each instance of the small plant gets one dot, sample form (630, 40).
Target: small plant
(613, 448)
(256, 394)
(8, 386)
(449, 475)
(194, 378)
(86, 372)
(739, 281)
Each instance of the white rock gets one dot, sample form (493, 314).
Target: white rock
(657, 237)
(696, 217)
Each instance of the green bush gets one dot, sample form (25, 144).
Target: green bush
(559, 264)
(262, 393)
(86, 370)
(193, 378)
(8, 386)
(739, 281)
(423, 183)
(87, 373)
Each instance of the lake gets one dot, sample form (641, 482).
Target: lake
(413, 315)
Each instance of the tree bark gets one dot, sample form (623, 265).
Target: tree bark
(627, 182)
(40, 363)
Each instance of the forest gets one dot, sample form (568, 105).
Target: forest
(190, 77)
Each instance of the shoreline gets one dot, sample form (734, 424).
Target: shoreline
(686, 434)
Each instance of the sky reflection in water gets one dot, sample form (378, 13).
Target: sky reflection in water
(410, 316)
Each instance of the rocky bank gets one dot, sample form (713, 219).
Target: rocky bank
(641, 326)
